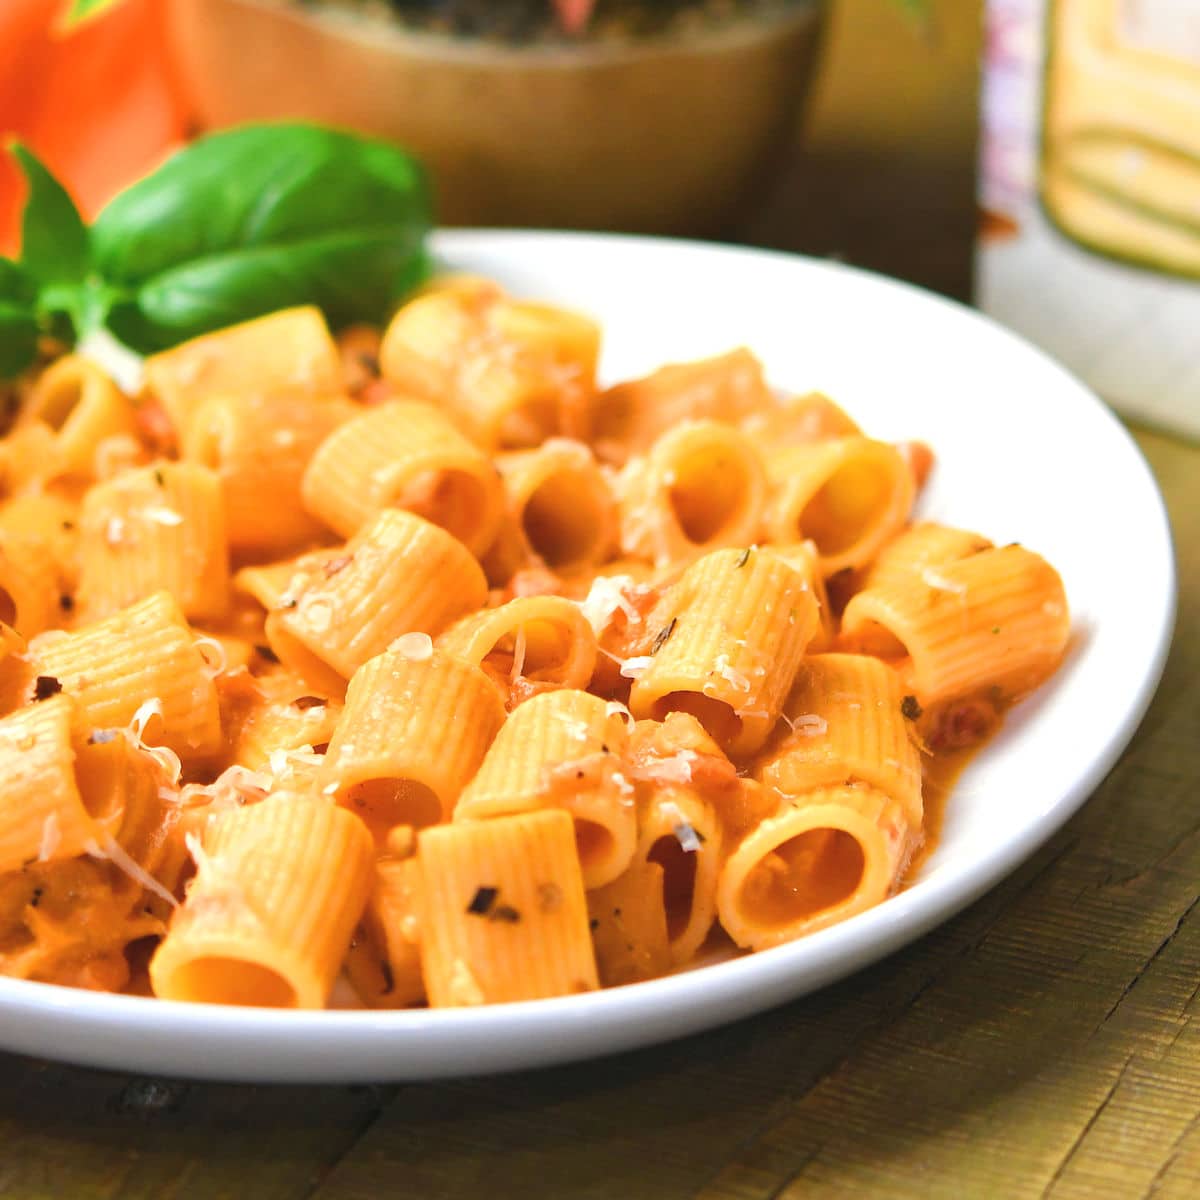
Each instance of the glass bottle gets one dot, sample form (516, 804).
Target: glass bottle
(1121, 129)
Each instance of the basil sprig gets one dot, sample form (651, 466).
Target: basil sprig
(236, 225)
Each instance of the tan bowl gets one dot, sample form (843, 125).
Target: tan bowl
(671, 136)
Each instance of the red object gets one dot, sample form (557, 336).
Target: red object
(95, 103)
(573, 15)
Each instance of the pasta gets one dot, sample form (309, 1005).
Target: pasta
(412, 667)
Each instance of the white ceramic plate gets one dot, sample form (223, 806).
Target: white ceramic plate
(1025, 453)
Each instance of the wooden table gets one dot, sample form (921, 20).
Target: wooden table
(1044, 1043)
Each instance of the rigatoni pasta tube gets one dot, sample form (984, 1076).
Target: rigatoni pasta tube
(844, 723)
(629, 926)
(29, 457)
(562, 749)
(30, 587)
(678, 830)
(798, 420)
(700, 487)
(278, 890)
(156, 528)
(506, 369)
(503, 914)
(259, 446)
(143, 654)
(627, 418)
(398, 575)
(384, 962)
(406, 455)
(289, 350)
(922, 547)
(281, 715)
(561, 503)
(51, 521)
(83, 405)
(848, 495)
(822, 858)
(997, 619)
(278, 584)
(42, 817)
(739, 622)
(529, 644)
(416, 726)
(804, 557)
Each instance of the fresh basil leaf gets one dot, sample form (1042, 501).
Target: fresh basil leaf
(354, 276)
(259, 188)
(54, 240)
(18, 338)
(81, 10)
(15, 284)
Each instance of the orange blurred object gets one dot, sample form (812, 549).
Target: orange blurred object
(95, 103)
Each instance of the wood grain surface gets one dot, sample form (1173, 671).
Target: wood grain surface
(1046, 1042)
(1042, 1043)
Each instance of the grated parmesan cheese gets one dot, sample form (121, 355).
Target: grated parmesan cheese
(933, 578)
(685, 832)
(809, 724)
(141, 718)
(114, 852)
(518, 664)
(51, 837)
(464, 988)
(606, 597)
(213, 654)
(676, 769)
(631, 668)
(580, 730)
(734, 678)
(160, 515)
(318, 614)
(415, 646)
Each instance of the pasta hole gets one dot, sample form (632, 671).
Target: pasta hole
(802, 877)
(707, 496)
(841, 513)
(218, 980)
(453, 499)
(8, 608)
(593, 841)
(561, 522)
(679, 881)
(722, 724)
(58, 402)
(385, 803)
(875, 639)
(544, 654)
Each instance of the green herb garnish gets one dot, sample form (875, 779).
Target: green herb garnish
(236, 225)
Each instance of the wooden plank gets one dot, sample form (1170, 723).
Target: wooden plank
(650, 1125)
(992, 1058)
(1057, 1058)
(94, 1135)
(1025, 1045)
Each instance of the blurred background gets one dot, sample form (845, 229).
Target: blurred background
(1040, 158)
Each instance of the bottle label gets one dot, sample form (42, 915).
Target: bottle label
(1170, 28)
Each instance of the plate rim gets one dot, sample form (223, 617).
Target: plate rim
(125, 1032)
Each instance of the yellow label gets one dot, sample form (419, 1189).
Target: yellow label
(1167, 27)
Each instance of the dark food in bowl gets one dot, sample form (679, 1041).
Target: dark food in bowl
(524, 21)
